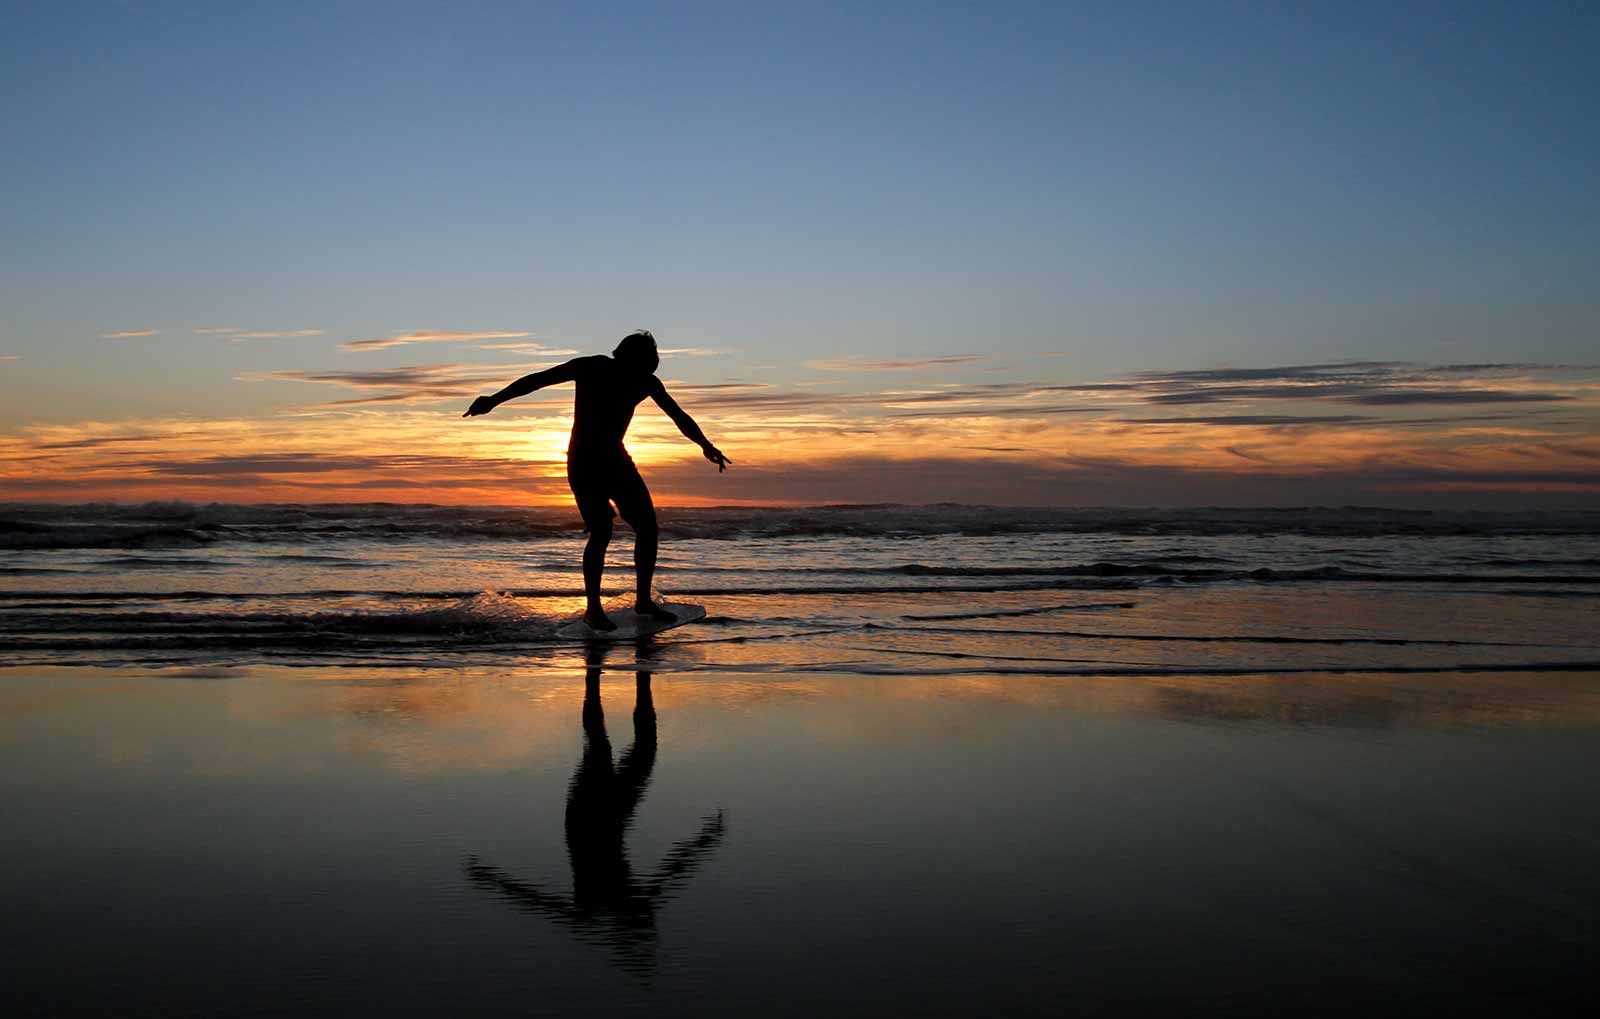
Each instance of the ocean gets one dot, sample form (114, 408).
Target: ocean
(916, 760)
(885, 589)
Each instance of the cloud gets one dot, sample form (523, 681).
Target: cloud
(264, 463)
(975, 401)
(530, 348)
(1364, 383)
(347, 454)
(854, 364)
(692, 351)
(316, 463)
(765, 397)
(407, 384)
(278, 334)
(1457, 419)
(1034, 413)
(412, 375)
(1493, 367)
(1253, 419)
(403, 339)
(1340, 369)
(711, 387)
(1035, 410)
(1092, 387)
(1456, 396)
(1018, 442)
(981, 478)
(415, 396)
(759, 400)
(102, 441)
(1110, 480)
(1223, 394)
(233, 334)
(128, 333)
(455, 380)
(1567, 449)
(10, 357)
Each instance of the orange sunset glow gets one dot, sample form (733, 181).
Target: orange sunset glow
(1015, 430)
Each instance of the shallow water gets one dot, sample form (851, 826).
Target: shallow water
(860, 588)
(925, 760)
(237, 843)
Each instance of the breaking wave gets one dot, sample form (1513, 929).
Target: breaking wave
(188, 525)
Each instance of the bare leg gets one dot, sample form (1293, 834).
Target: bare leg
(646, 539)
(594, 566)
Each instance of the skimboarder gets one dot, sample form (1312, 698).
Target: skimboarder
(599, 468)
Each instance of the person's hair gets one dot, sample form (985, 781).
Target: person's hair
(638, 348)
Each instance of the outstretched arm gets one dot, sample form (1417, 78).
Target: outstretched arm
(685, 857)
(686, 425)
(523, 386)
(525, 894)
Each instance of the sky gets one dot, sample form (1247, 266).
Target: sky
(1055, 254)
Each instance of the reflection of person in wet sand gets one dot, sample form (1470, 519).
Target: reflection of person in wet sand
(599, 468)
(609, 901)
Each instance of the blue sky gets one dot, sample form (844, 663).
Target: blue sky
(1138, 187)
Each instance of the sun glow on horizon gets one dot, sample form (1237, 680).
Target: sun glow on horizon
(1290, 434)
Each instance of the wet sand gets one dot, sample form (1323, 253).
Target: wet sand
(255, 841)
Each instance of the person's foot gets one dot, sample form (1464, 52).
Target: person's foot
(598, 620)
(650, 610)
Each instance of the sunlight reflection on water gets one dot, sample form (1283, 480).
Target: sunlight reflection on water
(235, 842)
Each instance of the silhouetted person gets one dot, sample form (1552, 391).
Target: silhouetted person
(599, 468)
(609, 901)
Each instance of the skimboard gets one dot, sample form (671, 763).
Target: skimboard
(631, 625)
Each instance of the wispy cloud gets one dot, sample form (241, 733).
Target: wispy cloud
(1254, 419)
(529, 348)
(407, 384)
(1387, 390)
(1365, 383)
(10, 357)
(234, 334)
(1310, 372)
(128, 334)
(712, 387)
(274, 334)
(121, 439)
(978, 413)
(1008, 443)
(403, 339)
(336, 454)
(1464, 395)
(1572, 449)
(692, 352)
(1030, 439)
(1245, 478)
(857, 364)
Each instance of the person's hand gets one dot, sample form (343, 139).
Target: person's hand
(715, 456)
(482, 405)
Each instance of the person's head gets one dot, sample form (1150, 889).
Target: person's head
(638, 351)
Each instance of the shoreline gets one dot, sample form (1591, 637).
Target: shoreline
(443, 841)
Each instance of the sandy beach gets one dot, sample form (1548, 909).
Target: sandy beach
(253, 841)
(914, 760)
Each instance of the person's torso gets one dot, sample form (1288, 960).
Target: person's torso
(603, 409)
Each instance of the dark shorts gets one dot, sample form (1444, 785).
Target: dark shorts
(598, 481)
